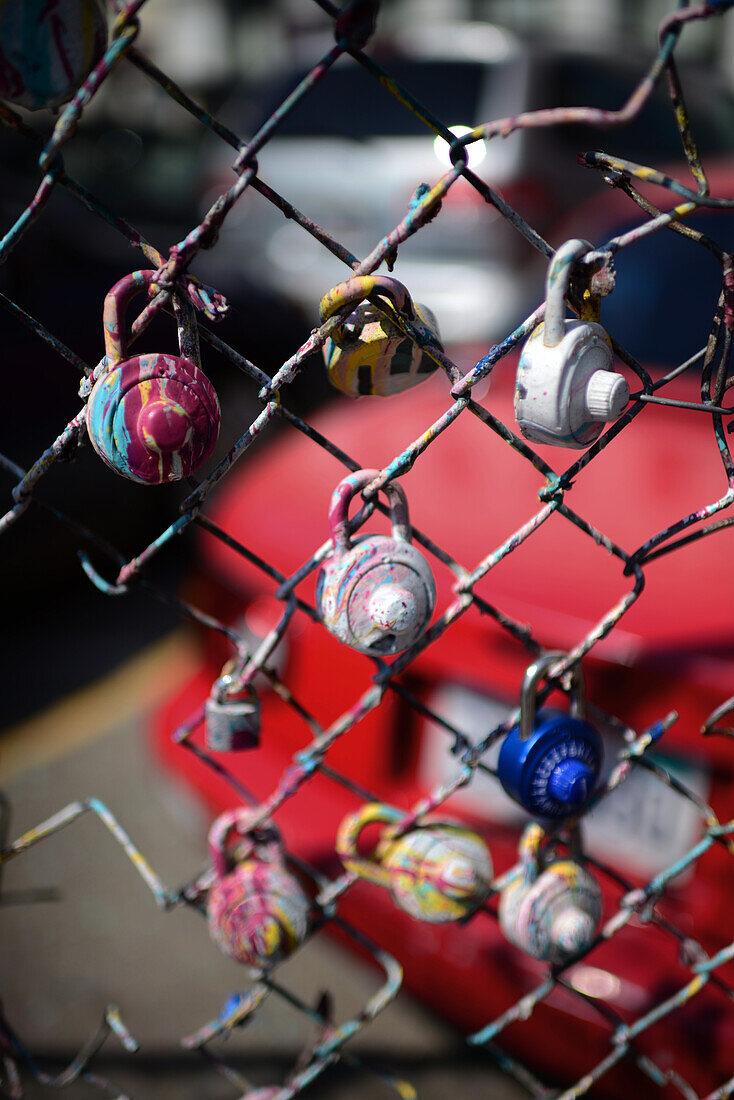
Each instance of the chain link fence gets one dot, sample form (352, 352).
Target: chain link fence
(301, 899)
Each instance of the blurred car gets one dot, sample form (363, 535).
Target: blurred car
(674, 648)
(353, 171)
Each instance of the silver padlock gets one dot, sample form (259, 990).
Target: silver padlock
(565, 389)
(552, 911)
(232, 720)
(376, 593)
(367, 353)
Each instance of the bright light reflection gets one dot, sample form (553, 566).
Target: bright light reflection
(477, 150)
(593, 982)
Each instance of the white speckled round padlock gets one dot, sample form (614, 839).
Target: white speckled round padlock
(376, 593)
(553, 910)
(565, 390)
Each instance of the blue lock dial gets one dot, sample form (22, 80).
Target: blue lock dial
(553, 772)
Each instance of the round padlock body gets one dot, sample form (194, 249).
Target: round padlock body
(258, 913)
(369, 355)
(378, 596)
(232, 724)
(567, 392)
(553, 773)
(555, 917)
(154, 418)
(48, 49)
(437, 874)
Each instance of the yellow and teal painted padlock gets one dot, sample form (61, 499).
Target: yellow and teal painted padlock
(437, 871)
(367, 353)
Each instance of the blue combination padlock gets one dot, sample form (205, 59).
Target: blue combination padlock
(550, 761)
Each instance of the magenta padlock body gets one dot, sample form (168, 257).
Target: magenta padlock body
(257, 911)
(376, 593)
(48, 48)
(151, 418)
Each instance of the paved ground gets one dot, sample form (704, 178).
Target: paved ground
(104, 940)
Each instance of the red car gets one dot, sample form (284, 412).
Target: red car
(674, 648)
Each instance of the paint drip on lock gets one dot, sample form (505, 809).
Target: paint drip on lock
(549, 762)
(257, 911)
(376, 593)
(437, 871)
(151, 418)
(552, 911)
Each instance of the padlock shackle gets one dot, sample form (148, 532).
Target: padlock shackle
(240, 820)
(347, 838)
(533, 675)
(115, 306)
(339, 508)
(355, 290)
(556, 288)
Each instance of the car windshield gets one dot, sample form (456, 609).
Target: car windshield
(451, 88)
(666, 292)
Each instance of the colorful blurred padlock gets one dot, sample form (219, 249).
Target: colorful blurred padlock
(257, 910)
(552, 911)
(152, 418)
(437, 871)
(376, 593)
(48, 48)
(367, 353)
(232, 717)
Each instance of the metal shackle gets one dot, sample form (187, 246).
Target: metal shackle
(342, 497)
(48, 50)
(557, 282)
(368, 353)
(534, 673)
(152, 418)
(436, 871)
(355, 290)
(257, 911)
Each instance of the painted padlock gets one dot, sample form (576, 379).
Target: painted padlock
(48, 49)
(552, 911)
(152, 418)
(565, 390)
(257, 911)
(376, 593)
(232, 719)
(550, 760)
(367, 353)
(437, 871)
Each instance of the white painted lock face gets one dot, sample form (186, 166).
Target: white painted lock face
(565, 393)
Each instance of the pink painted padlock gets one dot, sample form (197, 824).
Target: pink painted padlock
(552, 911)
(152, 418)
(376, 593)
(48, 48)
(257, 910)
(437, 871)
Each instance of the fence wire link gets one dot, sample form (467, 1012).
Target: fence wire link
(108, 569)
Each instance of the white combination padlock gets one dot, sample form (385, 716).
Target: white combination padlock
(565, 390)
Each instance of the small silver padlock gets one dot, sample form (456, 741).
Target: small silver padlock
(367, 353)
(565, 390)
(376, 593)
(232, 719)
(552, 911)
